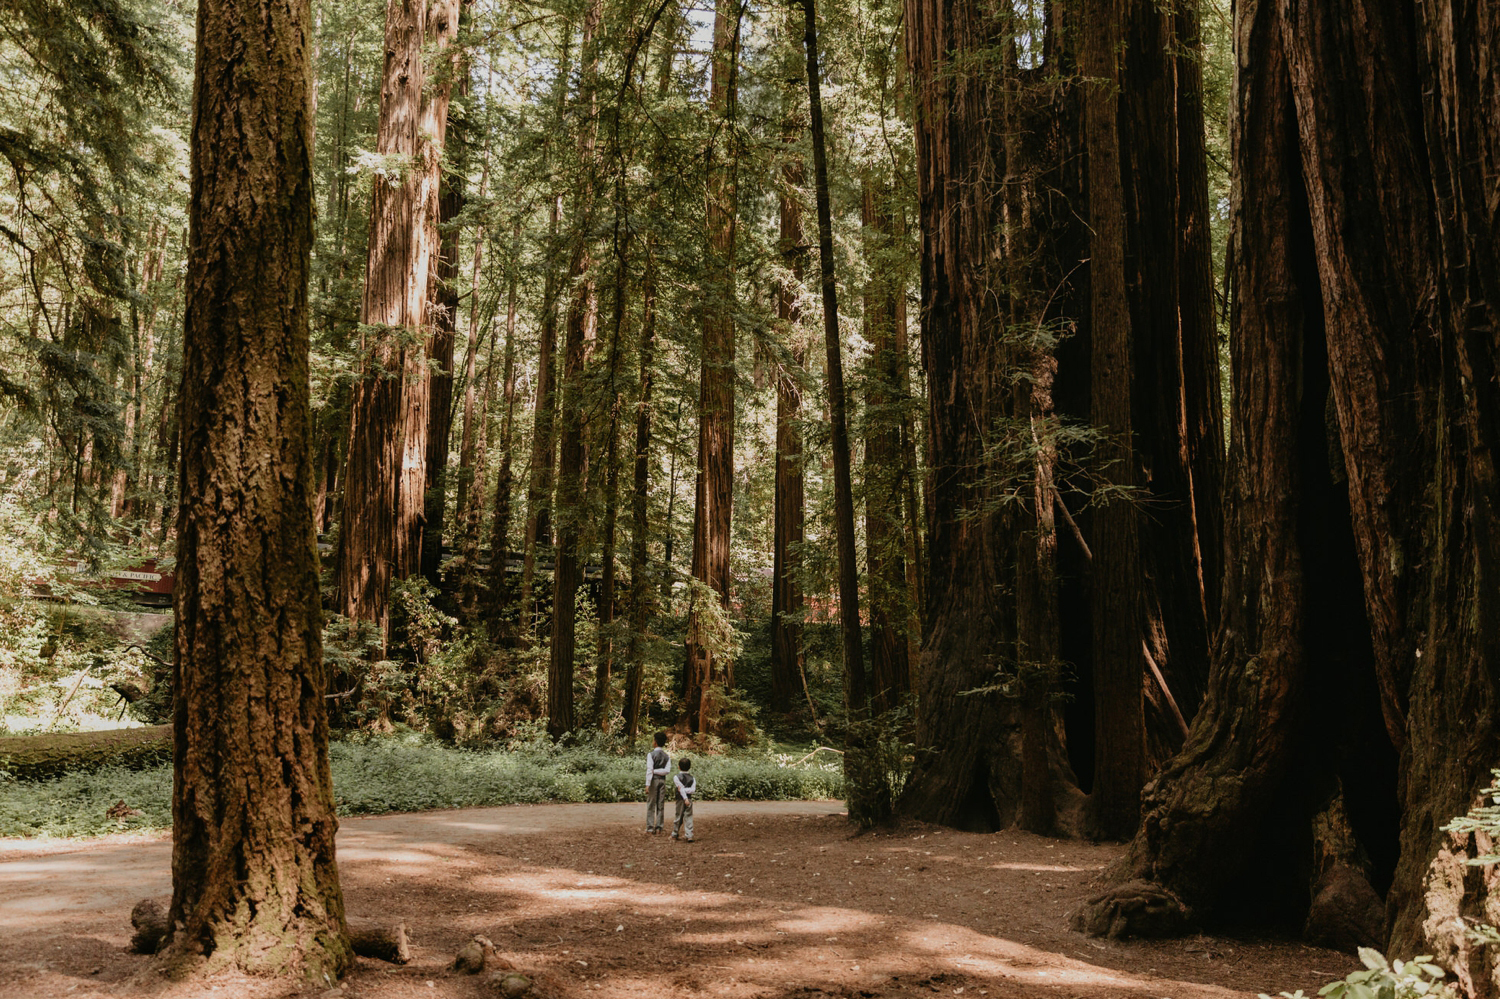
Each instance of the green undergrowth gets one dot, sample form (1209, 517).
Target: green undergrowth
(412, 775)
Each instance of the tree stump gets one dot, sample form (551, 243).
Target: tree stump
(1134, 909)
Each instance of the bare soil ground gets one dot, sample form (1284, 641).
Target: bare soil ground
(774, 900)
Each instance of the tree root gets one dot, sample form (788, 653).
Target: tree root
(1133, 909)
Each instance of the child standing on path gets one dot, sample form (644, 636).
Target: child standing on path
(685, 786)
(658, 764)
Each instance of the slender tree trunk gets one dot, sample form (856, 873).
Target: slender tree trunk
(885, 540)
(714, 491)
(254, 881)
(380, 526)
(642, 602)
(539, 486)
(467, 446)
(499, 591)
(786, 582)
(573, 456)
(856, 686)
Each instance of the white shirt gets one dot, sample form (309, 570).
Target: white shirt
(683, 791)
(653, 772)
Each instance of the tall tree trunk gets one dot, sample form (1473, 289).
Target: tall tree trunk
(573, 455)
(1119, 743)
(539, 485)
(380, 525)
(885, 535)
(714, 491)
(642, 600)
(856, 685)
(1364, 415)
(499, 591)
(786, 581)
(254, 882)
(443, 299)
(967, 770)
(467, 446)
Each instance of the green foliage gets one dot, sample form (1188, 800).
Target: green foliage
(1382, 979)
(877, 759)
(411, 772)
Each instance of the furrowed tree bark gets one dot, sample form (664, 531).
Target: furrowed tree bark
(254, 879)
(1362, 508)
(967, 770)
(1173, 348)
(1119, 742)
(443, 299)
(380, 522)
(714, 490)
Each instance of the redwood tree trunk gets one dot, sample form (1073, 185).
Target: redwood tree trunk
(254, 882)
(1361, 513)
(715, 483)
(967, 770)
(380, 526)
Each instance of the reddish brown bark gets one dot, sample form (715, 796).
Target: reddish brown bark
(254, 880)
(380, 525)
(714, 491)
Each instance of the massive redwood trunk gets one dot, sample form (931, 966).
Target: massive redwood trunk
(254, 882)
(1358, 603)
(383, 499)
(1060, 308)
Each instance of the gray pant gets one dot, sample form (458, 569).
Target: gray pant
(656, 803)
(684, 825)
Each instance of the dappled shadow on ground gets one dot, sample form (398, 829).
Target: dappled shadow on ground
(760, 907)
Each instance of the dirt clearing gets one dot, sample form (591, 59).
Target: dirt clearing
(774, 900)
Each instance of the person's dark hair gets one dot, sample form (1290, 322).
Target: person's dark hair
(685, 764)
(661, 738)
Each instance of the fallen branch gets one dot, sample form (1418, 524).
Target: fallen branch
(1068, 517)
(819, 749)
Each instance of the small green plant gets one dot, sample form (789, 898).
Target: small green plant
(1383, 979)
(878, 757)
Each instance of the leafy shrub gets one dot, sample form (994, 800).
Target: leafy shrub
(409, 772)
(1384, 979)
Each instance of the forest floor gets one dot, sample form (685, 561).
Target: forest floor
(774, 900)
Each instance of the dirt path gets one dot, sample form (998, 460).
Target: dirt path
(775, 900)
